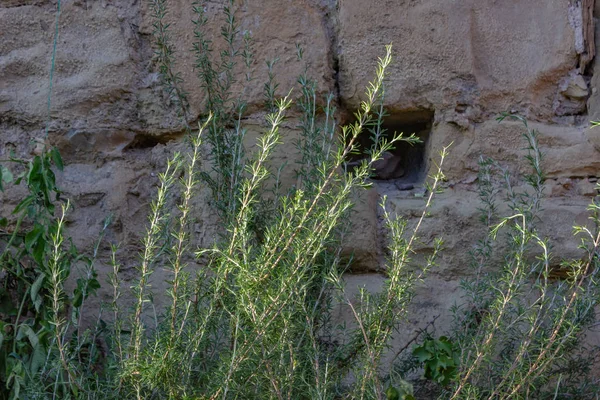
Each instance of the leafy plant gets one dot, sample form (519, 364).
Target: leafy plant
(264, 299)
(36, 261)
(256, 322)
(404, 391)
(439, 358)
(520, 329)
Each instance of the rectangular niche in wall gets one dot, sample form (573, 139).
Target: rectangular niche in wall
(406, 163)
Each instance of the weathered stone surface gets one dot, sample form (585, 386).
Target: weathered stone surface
(275, 27)
(363, 242)
(593, 104)
(572, 95)
(430, 309)
(575, 87)
(567, 151)
(94, 72)
(593, 137)
(457, 64)
(458, 52)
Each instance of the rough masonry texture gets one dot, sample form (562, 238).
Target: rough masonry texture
(457, 65)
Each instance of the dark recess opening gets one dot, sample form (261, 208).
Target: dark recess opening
(148, 141)
(409, 162)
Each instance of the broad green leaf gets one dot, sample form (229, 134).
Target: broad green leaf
(441, 362)
(20, 178)
(37, 303)
(16, 390)
(34, 176)
(421, 353)
(93, 285)
(77, 298)
(392, 393)
(50, 181)
(444, 344)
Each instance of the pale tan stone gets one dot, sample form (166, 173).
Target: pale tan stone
(456, 63)
(458, 52)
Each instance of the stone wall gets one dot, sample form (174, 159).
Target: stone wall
(457, 65)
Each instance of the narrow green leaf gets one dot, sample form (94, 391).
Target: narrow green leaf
(35, 171)
(5, 176)
(77, 298)
(40, 250)
(35, 288)
(56, 158)
(38, 358)
(33, 235)
(23, 204)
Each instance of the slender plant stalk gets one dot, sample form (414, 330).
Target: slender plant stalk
(180, 247)
(57, 278)
(151, 244)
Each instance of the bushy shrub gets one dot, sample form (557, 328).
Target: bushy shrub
(255, 322)
(520, 329)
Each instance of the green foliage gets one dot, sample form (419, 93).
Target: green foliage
(36, 261)
(265, 302)
(402, 391)
(256, 321)
(165, 58)
(520, 330)
(225, 134)
(440, 359)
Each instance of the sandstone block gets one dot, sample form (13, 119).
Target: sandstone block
(94, 72)
(458, 52)
(275, 28)
(593, 136)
